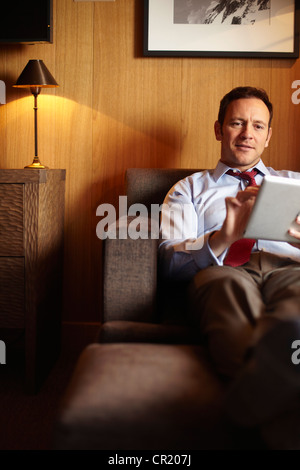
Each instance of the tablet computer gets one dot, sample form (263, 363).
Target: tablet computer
(275, 209)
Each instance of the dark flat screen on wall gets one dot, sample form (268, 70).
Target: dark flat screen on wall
(26, 21)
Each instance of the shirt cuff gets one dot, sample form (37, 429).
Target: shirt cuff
(206, 257)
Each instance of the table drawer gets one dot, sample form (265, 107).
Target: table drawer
(11, 220)
(12, 293)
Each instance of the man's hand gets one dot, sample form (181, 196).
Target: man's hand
(295, 233)
(238, 210)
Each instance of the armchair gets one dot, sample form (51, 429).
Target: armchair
(137, 304)
(147, 382)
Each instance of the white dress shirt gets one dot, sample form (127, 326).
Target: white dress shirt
(193, 209)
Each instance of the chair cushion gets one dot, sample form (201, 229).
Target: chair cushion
(142, 397)
(139, 332)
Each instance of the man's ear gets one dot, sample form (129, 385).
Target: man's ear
(269, 137)
(218, 131)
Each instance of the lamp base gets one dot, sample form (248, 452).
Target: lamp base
(36, 164)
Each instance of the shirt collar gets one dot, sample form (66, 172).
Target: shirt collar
(221, 169)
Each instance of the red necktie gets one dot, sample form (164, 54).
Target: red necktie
(240, 251)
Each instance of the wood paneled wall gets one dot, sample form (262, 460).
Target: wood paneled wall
(116, 109)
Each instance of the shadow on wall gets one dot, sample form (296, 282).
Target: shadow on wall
(158, 149)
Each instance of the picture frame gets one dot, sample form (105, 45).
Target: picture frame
(271, 32)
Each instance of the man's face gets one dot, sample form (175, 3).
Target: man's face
(245, 133)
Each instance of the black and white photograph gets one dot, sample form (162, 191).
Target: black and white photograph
(221, 28)
(239, 12)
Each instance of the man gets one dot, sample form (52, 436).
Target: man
(236, 304)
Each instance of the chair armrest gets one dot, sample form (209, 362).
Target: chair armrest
(130, 278)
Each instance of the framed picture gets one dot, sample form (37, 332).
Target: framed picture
(221, 28)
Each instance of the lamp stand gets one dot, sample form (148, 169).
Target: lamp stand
(36, 161)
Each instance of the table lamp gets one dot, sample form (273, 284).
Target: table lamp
(35, 76)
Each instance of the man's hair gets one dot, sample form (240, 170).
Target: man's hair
(242, 93)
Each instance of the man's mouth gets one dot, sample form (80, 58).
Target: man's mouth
(244, 146)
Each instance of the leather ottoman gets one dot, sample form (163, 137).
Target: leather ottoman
(143, 397)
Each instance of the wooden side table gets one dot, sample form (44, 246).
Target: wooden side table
(31, 264)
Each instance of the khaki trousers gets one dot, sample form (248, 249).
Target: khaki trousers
(234, 307)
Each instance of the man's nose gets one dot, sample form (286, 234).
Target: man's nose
(246, 132)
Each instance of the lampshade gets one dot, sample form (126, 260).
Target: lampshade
(35, 74)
